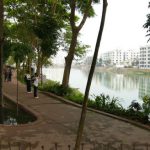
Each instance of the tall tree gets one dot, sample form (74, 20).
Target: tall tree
(1, 51)
(86, 10)
(84, 107)
(80, 50)
(40, 23)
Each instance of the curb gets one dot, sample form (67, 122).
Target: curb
(28, 110)
(97, 111)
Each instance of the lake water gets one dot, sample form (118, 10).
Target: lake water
(125, 87)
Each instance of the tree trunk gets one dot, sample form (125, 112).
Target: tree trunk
(75, 31)
(38, 63)
(1, 52)
(41, 74)
(29, 64)
(23, 68)
(69, 59)
(84, 107)
(17, 95)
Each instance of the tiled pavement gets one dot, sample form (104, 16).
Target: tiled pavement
(58, 122)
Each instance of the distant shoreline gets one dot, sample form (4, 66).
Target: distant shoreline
(113, 70)
(118, 70)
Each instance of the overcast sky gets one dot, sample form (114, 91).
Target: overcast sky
(123, 27)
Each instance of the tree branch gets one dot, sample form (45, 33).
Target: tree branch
(72, 15)
(84, 16)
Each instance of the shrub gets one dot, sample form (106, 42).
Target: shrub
(67, 92)
(104, 102)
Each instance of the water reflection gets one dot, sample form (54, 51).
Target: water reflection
(125, 87)
(117, 82)
(144, 86)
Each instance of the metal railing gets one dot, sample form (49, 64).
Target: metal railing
(84, 146)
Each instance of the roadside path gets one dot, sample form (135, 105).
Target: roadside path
(58, 122)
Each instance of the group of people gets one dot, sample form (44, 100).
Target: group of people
(32, 80)
(7, 74)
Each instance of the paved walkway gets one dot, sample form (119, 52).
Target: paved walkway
(58, 122)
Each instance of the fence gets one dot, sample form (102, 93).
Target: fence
(84, 146)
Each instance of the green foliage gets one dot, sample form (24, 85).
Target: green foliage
(36, 23)
(136, 115)
(105, 103)
(146, 105)
(146, 99)
(6, 50)
(82, 6)
(67, 92)
(49, 86)
(80, 49)
(75, 95)
(147, 25)
(20, 51)
(47, 28)
(138, 112)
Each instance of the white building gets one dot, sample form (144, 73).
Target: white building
(120, 58)
(144, 62)
(130, 57)
(115, 57)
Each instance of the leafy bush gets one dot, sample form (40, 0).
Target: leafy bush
(104, 102)
(75, 95)
(146, 106)
(50, 86)
(67, 92)
(138, 112)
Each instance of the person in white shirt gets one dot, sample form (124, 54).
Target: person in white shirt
(35, 85)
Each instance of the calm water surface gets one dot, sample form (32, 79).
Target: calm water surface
(125, 87)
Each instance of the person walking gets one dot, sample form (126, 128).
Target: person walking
(28, 82)
(9, 74)
(5, 74)
(35, 85)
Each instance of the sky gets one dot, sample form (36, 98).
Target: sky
(123, 27)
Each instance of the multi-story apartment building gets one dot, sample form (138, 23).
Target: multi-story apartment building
(119, 57)
(130, 57)
(115, 57)
(144, 62)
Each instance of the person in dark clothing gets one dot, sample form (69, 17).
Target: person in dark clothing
(35, 84)
(6, 74)
(28, 82)
(9, 74)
